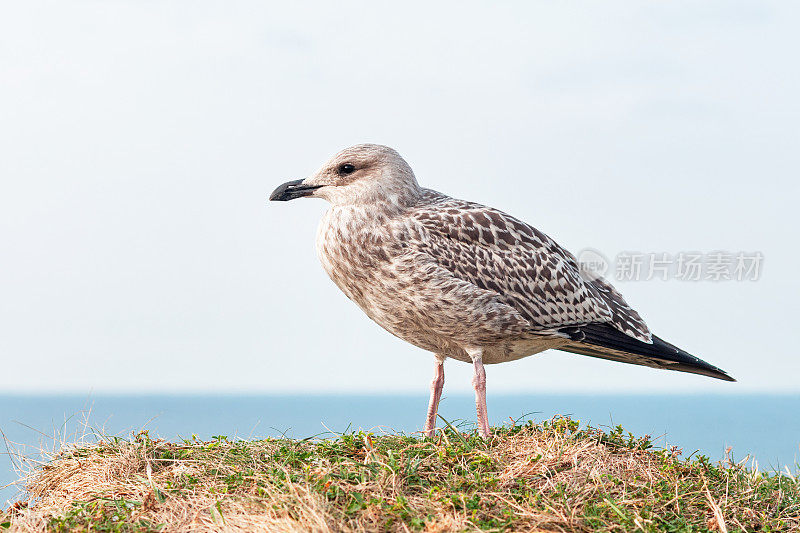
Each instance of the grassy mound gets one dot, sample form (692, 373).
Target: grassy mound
(551, 476)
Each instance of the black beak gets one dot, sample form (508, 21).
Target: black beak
(291, 190)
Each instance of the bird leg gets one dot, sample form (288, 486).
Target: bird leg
(479, 383)
(436, 394)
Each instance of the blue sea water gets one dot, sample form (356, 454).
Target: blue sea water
(765, 427)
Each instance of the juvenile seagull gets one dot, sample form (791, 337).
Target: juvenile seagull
(463, 280)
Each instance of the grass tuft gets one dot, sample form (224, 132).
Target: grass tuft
(549, 476)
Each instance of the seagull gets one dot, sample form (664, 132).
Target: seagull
(465, 281)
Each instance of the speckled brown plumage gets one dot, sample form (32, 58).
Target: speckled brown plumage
(463, 280)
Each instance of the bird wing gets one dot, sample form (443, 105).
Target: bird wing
(526, 268)
(606, 342)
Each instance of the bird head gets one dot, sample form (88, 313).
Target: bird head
(361, 174)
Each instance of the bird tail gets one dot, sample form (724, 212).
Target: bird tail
(607, 342)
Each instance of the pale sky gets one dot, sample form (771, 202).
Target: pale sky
(139, 142)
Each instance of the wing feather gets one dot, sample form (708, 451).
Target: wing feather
(526, 268)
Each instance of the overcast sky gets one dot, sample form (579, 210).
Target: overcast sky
(139, 142)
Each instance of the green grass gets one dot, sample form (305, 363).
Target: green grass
(551, 476)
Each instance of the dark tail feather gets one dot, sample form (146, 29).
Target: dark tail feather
(607, 342)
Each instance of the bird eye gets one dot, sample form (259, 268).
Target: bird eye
(346, 168)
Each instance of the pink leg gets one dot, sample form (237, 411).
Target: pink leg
(479, 382)
(436, 394)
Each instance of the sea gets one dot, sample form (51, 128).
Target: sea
(764, 429)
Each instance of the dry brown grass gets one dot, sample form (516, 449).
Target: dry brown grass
(546, 477)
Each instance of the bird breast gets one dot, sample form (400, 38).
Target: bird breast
(351, 247)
